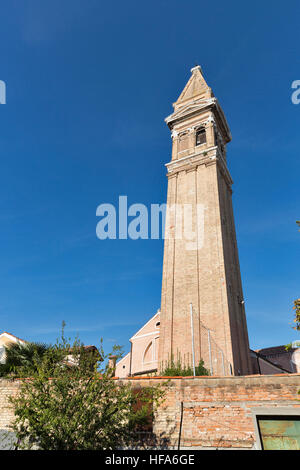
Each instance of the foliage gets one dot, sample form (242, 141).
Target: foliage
(21, 358)
(175, 368)
(297, 314)
(80, 407)
(297, 302)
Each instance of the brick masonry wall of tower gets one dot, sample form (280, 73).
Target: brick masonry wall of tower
(207, 276)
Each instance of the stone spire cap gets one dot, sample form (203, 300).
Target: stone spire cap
(197, 67)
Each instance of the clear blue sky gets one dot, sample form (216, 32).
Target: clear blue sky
(88, 87)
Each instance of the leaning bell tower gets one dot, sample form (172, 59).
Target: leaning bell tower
(202, 306)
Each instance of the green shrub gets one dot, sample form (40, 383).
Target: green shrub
(176, 368)
(79, 407)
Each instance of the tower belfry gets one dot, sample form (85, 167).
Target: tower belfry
(206, 273)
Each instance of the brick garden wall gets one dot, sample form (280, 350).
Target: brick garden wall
(7, 389)
(217, 411)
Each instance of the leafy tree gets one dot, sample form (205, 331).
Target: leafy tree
(80, 407)
(297, 301)
(22, 358)
(297, 314)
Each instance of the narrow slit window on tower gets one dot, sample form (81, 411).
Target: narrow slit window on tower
(216, 138)
(200, 136)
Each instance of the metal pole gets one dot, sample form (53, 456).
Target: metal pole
(180, 427)
(223, 362)
(192, 331)
(209, 349)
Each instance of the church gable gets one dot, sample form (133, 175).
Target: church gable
(8, 338)
(150, 327)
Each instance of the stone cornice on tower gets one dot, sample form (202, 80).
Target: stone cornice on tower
(206, 157)
(195, 107)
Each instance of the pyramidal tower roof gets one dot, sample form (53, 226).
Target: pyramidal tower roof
(195, 98)
(195, 89)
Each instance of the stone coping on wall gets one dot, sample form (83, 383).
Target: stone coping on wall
(162, 377)
(208, 377)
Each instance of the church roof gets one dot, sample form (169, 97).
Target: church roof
(272, 351)
(263, 357)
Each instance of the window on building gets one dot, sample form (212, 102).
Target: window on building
(216, 138)
(200, 136)
(148, 356)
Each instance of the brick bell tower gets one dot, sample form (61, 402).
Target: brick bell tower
(204, 274)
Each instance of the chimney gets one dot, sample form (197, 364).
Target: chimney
(112, 364)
